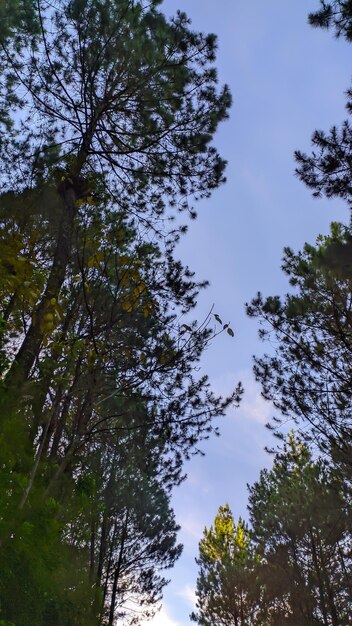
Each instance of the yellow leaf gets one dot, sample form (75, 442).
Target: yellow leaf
(124, 260)
(125, 280)
(141, 288)
(127, 306)
(135, 293)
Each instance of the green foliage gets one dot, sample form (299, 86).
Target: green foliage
(18, 24)
(336, 15)
(100, 399)
(226, 587)
(17, 17)
(106, 418)
(307, 376)
(327, 171)
(300, 510)
(147, 81)
(293, 566)
(300, 515)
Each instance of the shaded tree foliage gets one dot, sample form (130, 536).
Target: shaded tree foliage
(336, 15)
(300, 514)
(308, 376)
(293, 566)
(119, 92)
(109, 112)
(327, 171)
(227, 590)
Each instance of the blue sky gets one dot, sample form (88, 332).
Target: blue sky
(286, 79)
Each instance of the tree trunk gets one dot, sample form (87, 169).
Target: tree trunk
(92, 550)
(29, 350)
(118, 571)
(109, 563)
(319, 578)
(61, 421)
(331, 600)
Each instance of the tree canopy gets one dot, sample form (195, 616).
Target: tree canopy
(108, 113)
(293, 564)
(307, 377)
(336, 15)
(226, 586)
(297, 563)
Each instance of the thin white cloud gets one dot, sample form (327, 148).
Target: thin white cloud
(162, 618)
(253, 406)
(191, 527)
(188, 593)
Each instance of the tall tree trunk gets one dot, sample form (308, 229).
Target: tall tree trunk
(319, 578)
(103, 544)
(70, 453)
(61, 421)
(299, 604)
(9, 307)
(109, 563)
(335, 621)
(46, 380)
(29, 350)
(118, 571)
(92, 550)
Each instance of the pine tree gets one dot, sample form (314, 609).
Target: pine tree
(226, 590)
(300, 516)
(113, 110)
(327, 171)
(120, 93)
(308, 376)
(336, 15)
